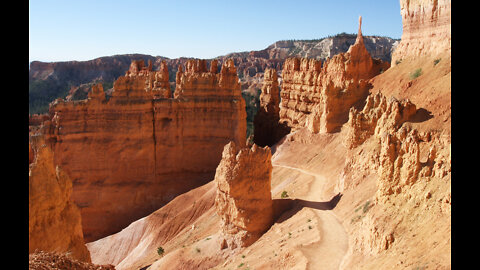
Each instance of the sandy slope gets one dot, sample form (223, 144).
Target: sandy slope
(332, 247)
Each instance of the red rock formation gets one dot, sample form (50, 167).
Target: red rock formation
(130, 155)
(54, 219)
(197, 81)
(244, 200)
(426, 28)
(326, 94)
(379, 115)
(268, 130)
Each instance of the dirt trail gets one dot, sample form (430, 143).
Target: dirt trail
(330, 250)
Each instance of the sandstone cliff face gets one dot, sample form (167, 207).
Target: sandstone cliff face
(54, 219)
(131, 154)
(268, 130)
(326, 93)
(244, 200)
(426, 28)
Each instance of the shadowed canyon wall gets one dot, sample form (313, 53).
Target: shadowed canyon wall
(268, 130)
(131, 154)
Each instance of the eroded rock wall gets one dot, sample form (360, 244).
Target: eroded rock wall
(54, 219)
(244, 200)
(409, 165)
(131, 154)
(320, 97)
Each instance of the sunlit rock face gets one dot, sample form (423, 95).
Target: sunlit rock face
(129, 155)
(53, 218)
(244, 200)
(320, 96)
(427, 29)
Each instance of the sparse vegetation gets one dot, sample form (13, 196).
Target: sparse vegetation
(398, 62)
(160, 251)
(366, 206)
(197, 249)
(416, 73)
(240, 265)
(309, 227)
(284, 194)
(436, 61)
(356, 218)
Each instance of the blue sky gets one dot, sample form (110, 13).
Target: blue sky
(81, 30)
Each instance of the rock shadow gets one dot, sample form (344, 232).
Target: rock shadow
(286, 208)
(420, 116)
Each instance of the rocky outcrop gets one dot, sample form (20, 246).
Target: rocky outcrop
(405, 162)
(47, 260)
(54, 219)
(400, 161)
(378, 116)
(326, 93)
(268, 130)
(129, 155)
(426, 29)
(244, 200)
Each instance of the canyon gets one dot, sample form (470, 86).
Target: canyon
(349, 166)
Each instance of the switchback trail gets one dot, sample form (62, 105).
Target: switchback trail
(333, 245)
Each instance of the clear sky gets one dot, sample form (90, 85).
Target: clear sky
(81, 30)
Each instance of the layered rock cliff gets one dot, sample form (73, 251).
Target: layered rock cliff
(54, 219)
(244, 199)
(131, 154)
(426, 29)
(326, 93)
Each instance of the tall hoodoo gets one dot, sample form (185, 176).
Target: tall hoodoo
(244, 200)
(132, 154)
(320, 97)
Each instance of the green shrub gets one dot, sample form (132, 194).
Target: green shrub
(436, 61)
(416, 73)
(284, 194)
(366, 206)
(160, 251)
